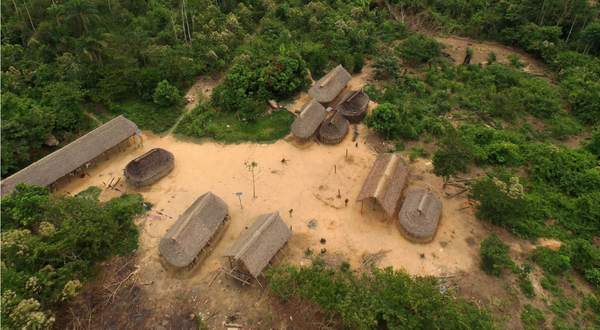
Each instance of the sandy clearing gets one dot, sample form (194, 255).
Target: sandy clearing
(308, 183)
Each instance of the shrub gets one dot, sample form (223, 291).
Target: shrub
(491, 58)
(166, 94)
(531, 316)
(419, 48)
(386, 299)
(385, 119)
(551, 262)
(359, 62)
(494, 255)
(527, 288)
(501, 203)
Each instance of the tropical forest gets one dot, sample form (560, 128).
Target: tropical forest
(493, 107)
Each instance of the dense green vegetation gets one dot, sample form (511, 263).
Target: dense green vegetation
(50, 246)
(136, 58)
(388, 298)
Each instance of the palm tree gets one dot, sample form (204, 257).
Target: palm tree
(82, 10)
(57, 12)
(93, 44)
(138, 41)
(58, 35)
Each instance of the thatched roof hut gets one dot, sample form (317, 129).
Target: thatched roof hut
(353, 105)
(260, 243)
(327, 88)
(334, 129)
(149, 167)
(418, 219)
(306, 124)
(51, 168)
(190, 233)
(385, 182)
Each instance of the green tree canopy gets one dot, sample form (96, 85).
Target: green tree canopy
(166, 94)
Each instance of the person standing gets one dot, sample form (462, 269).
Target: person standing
(346, 201)
(291, 210)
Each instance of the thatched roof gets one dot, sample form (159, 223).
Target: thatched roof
(327, 88)
(190, 233)
(385, 182)
(260, 242)
(353, 105)
(311, 116)
(149, 167)
(420, 214)
(76, 154)
(334, 129)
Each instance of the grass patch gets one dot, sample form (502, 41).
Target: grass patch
(92, 192)
(532, 317)
(203, 122)
(147, 115)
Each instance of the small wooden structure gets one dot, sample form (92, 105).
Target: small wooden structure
(353, 106)
(149, 167)
(307, 123)
(193, 230)
(257, 246)
(330, 86)
(420, 214)
(334, 129)
(385, 183)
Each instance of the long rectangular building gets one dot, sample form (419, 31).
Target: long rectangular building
(51, 168)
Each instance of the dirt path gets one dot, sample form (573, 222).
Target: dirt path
(200, 90)
(91, 115)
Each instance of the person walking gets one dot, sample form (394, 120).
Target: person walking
(346, 201)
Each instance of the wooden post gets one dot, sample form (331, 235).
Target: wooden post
(128, 141)
(277, 258)
(361, 205)
(230, 263)
(240, 197)
(346, 153)
(119, 146)
(339, 194)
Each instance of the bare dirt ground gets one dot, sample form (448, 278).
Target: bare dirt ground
(152, 295)
(457, 46)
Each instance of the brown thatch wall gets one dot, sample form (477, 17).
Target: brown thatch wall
(311, 116)
(260, 242)
(190, 233)
(420, 214)
(51, 168)
(334, 129)
(149, 167)
(385, 182)
(330, 86)
(353, 106)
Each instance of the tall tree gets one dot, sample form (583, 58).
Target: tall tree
(93, 44)
(454, 156)
(83, 11)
